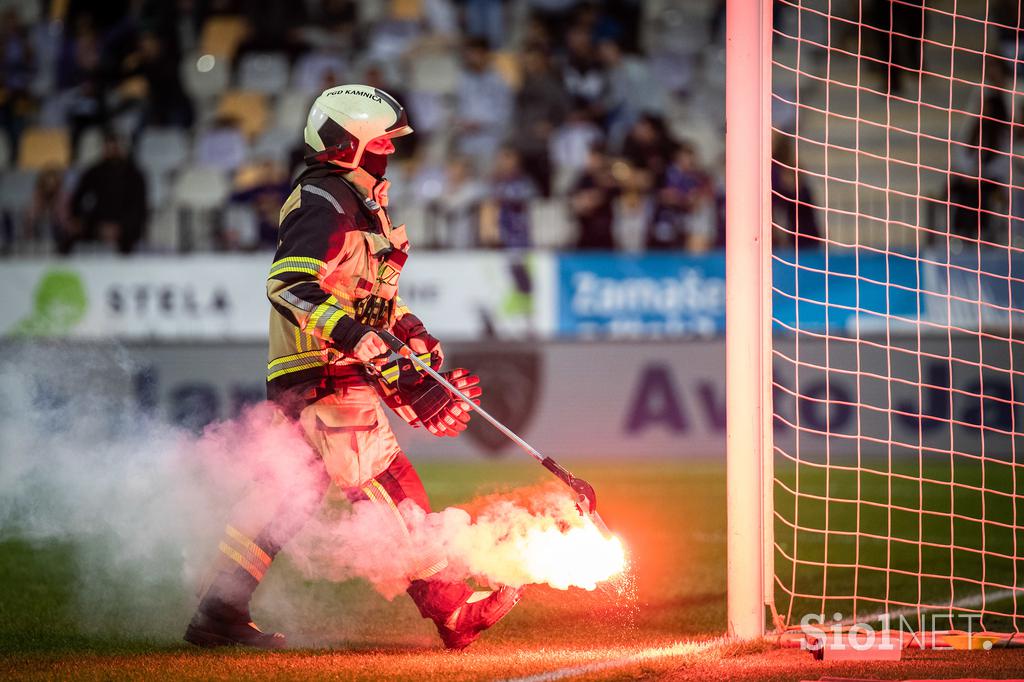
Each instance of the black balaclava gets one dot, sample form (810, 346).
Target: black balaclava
(375, 164)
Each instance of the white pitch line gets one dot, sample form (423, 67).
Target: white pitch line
(677, 649)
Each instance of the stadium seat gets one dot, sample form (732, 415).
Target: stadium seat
(275, 144)
(248, 108)
(158, 189)
(550, 227)
(223, 148)
(405, 10)
(201, 188)
(435, 71)
(199, 197)
(314, 69)
(204, 77)
(162, 235)
(292, 109)
(16, 190)
(221, 36)
(161, 150)
(42, 147)
(90, 147)
(265, 72)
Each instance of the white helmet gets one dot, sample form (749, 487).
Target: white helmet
(345, 118)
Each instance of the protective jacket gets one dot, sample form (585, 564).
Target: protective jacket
(334, 278)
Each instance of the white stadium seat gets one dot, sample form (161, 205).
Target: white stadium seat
(263, 72)
(161, 150)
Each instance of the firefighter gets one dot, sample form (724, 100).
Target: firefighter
(334, 283)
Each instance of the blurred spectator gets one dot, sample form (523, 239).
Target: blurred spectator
(540, 108)
(895, 43)
(457, 209)
(166, 104)
(632, 91)
(47, 216)
(634, 209)
(263, 186)
(16, 71)
(684, 216)
(485, 19)
(583, 75)
(649, 145)
(222, 145)
(483, 106)
(979, 183)
(570, 148)
(506, 214)
(794, 212)
(80, 77)
(592, 203)
(109, 203)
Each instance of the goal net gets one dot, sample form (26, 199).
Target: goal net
(896, 185)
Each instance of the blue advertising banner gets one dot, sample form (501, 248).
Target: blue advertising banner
(615, 295)
(836, 292)
(655, 295)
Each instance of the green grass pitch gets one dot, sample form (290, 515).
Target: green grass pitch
(671, 514)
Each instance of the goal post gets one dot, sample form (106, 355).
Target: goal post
(875, 314)
(748, 314)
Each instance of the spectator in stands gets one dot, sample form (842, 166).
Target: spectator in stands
(17, 67)
(109, 203)
(634, 209)
(80, 76)
(47, 216)
(979, 184)
(592, 202)
(483, 106)
(649, 145)
(485, 19)
(632, 91)
(457, 209)
(684, 214)
(506, 214)
(570, 148)
(540, 107)
(263, 186)
(794, 211)
(583, 74)
(166, 103)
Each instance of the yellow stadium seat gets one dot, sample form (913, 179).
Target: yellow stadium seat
(248, 108)
(222, 35)
(406, 10)
(43, 147)
(506, 63)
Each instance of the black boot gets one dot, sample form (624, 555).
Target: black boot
(223, 619)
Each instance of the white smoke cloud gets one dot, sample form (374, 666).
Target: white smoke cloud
(141, 504)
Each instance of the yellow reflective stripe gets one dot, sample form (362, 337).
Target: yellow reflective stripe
(302, 261)
(254, 570)
(288, 358)
(297, 368)
(319, 311)
(306, 271)
(333, 321)
(248, 544)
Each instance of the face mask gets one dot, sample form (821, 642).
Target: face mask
(375, 164)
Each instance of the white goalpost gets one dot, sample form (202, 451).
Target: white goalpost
(875, 301)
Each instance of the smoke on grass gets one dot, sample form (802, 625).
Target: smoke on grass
(140, 504)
